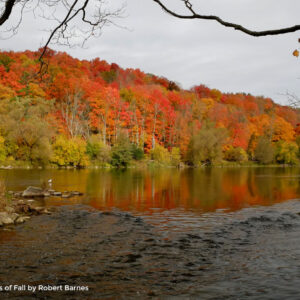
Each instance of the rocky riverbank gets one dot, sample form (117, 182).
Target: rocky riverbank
(21, 206)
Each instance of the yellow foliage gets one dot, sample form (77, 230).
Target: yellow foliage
(70, 152)
(36, 91)
(160, 154)
(6, 92)
(2, 149)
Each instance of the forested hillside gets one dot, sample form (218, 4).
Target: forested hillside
(91, 112)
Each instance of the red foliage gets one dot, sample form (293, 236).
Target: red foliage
(148, 107)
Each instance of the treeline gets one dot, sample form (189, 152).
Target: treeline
(82, 113)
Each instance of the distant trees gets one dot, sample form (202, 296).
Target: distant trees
(75, 113)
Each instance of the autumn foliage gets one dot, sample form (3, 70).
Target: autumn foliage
(95, 98)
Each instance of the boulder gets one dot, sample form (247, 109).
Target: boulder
(14, 216)
(33, 191)
(6, 219)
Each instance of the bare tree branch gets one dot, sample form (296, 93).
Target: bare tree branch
(293, 100)
(193, 15)
(7, 11)
(77, 20)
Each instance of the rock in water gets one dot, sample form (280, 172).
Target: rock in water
(5, 219)
(33, 191)
(65, 195)
(22, 219)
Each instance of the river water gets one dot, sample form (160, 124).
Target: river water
(219, 233)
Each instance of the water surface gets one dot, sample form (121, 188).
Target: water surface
(219, 233)
(194, 191)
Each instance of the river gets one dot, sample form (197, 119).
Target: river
(213, 233)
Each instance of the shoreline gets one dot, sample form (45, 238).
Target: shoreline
(147, 166)
(18, 207)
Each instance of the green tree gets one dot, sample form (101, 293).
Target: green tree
(137, 153)
(23, 122)
(206, 146)
(264, 151)
(121, 152)
(97, 150)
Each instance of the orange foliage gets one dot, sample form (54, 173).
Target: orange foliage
(149, 108)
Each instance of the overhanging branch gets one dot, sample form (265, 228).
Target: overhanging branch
(7, 11)
(193, 15)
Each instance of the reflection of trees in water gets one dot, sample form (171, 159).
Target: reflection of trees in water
(201, 189)
(205, 189)
(198, 189)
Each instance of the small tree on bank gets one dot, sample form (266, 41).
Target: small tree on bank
(206, 146)
(264, 151)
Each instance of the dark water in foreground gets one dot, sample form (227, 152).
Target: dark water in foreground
(194, 234)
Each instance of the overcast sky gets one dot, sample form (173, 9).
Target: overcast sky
(195, 51)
